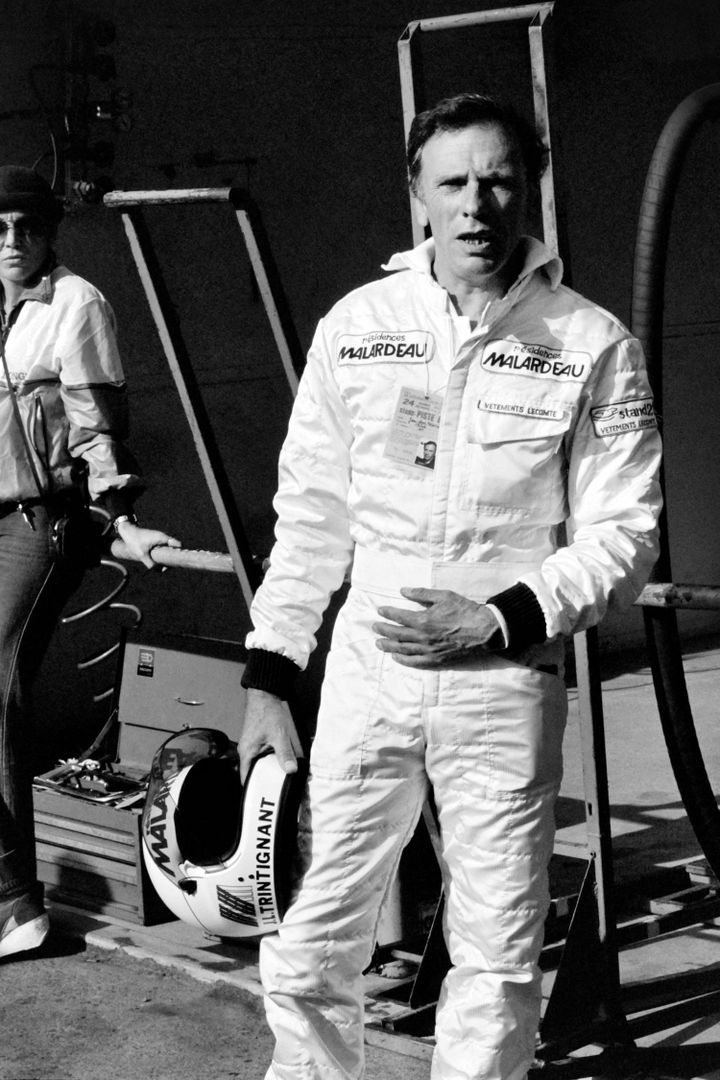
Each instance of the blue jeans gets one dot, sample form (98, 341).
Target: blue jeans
(33, 591)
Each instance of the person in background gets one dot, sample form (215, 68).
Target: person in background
(446, 664)
(62, 424)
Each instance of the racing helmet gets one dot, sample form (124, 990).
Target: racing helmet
(219, 853)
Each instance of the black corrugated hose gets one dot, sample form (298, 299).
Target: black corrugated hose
(661, 626)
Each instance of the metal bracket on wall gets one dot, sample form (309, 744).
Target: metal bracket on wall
(131, 205)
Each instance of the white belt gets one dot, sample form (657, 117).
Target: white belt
(385, 573)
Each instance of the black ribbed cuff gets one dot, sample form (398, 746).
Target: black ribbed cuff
(522, 613)
(271, 672)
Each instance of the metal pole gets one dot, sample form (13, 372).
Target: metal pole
(542, 125)
(126, 200)
(268, 283)
(482, 18)
(214, 561)
(666, 594)
(582, 1009)
(597, 803)
(412, 85)
(661, 594)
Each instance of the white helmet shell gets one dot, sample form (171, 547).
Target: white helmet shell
(219, 854)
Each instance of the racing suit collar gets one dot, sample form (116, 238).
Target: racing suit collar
(537, 257)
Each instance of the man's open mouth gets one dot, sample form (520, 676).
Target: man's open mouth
(477, 241)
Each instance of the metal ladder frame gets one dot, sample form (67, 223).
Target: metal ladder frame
(131, 205)
(580, 1010)
(596, 897)
(413, 96)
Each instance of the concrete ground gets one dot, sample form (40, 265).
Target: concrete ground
(653, 846)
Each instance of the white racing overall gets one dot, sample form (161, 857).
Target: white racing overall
(546, 419)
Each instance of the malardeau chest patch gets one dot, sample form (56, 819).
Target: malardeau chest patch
(536, 361)
(385, 346)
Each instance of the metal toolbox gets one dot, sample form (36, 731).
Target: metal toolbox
(88, 841)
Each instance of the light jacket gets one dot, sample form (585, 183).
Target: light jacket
(547, 427)
(63, 359)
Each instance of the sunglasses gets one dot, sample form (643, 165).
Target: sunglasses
(25, 228)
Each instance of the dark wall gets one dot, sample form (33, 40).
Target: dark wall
(302, 104)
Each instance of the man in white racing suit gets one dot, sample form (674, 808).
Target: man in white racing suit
(445, 667)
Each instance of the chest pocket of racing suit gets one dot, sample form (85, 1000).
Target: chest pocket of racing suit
(515, 462)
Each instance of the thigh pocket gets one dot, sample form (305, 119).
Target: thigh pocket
(527, 712)
(348, 709)
(505, 724)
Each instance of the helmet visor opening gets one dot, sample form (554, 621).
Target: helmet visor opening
(207, 819)
(202, 767)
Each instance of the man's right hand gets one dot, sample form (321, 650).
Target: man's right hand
(267, 725)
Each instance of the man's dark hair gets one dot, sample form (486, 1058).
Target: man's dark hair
(465, 110)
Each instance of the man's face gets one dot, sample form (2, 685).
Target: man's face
(473, 192)
(24, 246)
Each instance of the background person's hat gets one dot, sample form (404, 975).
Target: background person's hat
(24, 189)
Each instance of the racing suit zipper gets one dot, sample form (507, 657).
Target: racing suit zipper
(462, 358)
(449, 432)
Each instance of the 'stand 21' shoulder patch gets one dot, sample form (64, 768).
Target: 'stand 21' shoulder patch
(385, 346)
(619, 417)
(536, 361)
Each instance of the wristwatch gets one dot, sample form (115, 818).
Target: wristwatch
(120, 519)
